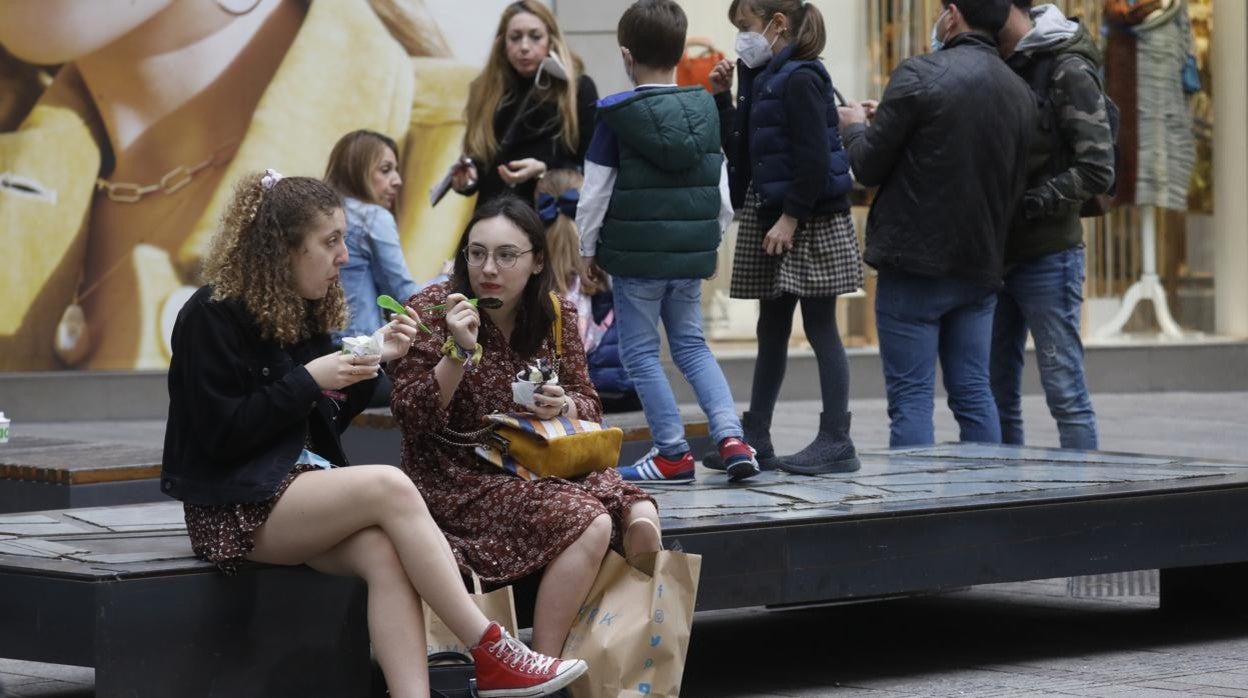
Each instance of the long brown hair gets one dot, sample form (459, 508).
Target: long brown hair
(535, 317)
(563, 241)
(250, 257)
(805, 23)
(499, 78)
(352, 161)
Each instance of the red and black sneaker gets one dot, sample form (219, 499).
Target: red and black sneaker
(506, 668)
(738, 459)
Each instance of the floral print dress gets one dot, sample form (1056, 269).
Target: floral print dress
(500, 526)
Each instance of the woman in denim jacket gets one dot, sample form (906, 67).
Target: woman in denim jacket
(364, 168)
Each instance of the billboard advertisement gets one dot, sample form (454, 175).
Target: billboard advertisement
(123, 126)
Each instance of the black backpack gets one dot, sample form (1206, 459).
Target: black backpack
(1041, 73)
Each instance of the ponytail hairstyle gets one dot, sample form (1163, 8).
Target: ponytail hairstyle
(807, 35)
(563, 241)
(250, 259)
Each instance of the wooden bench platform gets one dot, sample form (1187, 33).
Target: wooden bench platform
(116, 588)
(48, 473)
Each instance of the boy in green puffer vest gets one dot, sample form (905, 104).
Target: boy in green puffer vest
(653, 210)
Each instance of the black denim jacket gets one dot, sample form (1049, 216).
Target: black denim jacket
(241, 408)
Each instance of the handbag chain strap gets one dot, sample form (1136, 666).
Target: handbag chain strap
(471, 439)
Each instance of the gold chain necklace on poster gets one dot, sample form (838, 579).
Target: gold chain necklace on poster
(72, 341)
(172, 181)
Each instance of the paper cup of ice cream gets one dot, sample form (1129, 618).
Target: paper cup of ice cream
(363, 345)
(527, 382)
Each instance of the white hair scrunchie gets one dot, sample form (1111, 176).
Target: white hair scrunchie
(270, 178)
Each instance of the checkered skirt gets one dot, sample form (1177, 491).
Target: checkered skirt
(824, 260)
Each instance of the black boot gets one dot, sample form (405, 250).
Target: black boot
(757, 428)
(832, 451)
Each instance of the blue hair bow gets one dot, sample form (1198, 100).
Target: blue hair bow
(549, 208)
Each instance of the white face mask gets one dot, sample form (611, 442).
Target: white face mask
(937, 42)
(753, 48)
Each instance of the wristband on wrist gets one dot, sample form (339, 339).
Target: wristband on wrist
(460, 355)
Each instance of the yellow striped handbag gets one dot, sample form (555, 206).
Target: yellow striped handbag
(528, 447)
(531, 448)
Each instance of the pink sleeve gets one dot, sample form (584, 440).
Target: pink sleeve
(574, 368)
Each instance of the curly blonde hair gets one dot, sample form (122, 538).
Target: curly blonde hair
(249, 258)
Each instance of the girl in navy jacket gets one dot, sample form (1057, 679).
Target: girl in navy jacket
(789, 177)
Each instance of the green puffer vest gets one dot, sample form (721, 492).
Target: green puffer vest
(662, 222)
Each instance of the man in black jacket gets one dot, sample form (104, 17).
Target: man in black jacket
(947, 147)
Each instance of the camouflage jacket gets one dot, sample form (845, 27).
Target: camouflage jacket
(1071, 158)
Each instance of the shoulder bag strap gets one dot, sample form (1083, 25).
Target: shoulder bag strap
(554, 300)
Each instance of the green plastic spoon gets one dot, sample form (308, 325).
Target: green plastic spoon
(487, 303)
(394, 306)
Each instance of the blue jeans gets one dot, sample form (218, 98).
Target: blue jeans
(920, 318)
(639, 305)
(1044, 295)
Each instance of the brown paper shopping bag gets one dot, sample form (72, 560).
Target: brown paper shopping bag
(498, 605)
(633, 629)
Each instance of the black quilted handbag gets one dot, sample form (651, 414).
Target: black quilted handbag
(451, 675)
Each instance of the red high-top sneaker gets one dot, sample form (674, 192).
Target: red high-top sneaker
(508, 669)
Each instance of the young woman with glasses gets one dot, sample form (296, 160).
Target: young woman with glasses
(499, 525)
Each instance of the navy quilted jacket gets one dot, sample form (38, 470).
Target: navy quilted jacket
(787, 147)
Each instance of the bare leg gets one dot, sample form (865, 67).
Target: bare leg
(641, 530)
(395, 622)
(565, 585)
(323, 508)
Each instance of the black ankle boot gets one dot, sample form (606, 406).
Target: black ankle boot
(832, 451)
(757, 428)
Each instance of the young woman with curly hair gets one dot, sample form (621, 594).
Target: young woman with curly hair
(520, 123)
(258, 396)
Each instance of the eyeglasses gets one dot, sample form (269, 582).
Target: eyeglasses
(504, 257)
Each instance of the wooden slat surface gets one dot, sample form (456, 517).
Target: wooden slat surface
(68, 462)
(149, 539)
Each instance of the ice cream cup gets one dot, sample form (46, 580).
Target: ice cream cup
(522, 391)
(363, 345)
